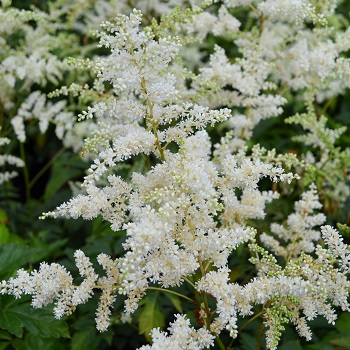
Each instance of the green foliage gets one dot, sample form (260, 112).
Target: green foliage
(319, 129)
(35, 328)
(64, 169)
(19, 314)
(151, 314)
(13, 256)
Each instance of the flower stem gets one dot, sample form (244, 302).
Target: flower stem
(25, 172)
(205, 299)
(251, 320)
(261, 331)
(220, 343)
(189, 282)
(154, 125)
(172, 292)
(45, 167)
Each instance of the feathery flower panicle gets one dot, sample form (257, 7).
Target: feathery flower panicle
(35, 106)
(307, 285)
(325, 160)
(292, 10)
(52, 283)
(182, 336)
(216, 283)
(197, 202)
(336, 246)
(8, 159)
(300, 234)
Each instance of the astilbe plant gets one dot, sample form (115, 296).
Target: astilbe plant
(33, 46)
(186, 216)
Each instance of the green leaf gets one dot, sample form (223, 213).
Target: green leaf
(343, 323)
(291, 345)
(85, 339)
(16, 314)
(4, 234)
(34, 342)
(4, 345)
(19, 344)
(151, 315)
(175, 300)
(5, 335)
(13, 256)
(3, 217)
(10, 321)
(343, 342)
(41, 322)
(65, 168)
(247, 342)
(41, 249)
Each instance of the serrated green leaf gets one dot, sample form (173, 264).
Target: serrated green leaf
(151, 315)
(5, 335)
(9, 320)
(17, 314)
(41, 322)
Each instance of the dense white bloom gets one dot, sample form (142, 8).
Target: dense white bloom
(8, 159)
(182, 336)
(202, 24)
(53, 283)
(336, 246)
(110, 202)
(35, 106)
(290, 10)
(216, 284)
(18, 127)
(298, 235)
(239, 84)
(226, 23)
(237, 3)
(186, 212)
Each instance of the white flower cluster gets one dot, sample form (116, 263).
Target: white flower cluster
(8, 159)
(305, 288)
(33, 46)
(327, 159)
(299, 236)
(33, 63)
(173, 208)
(110, 202)
(216, 284)
(182, 336)
(53, 283)
(36, 106)
(185, 215)
(291, 11)
(239, 84)
(205, 22)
